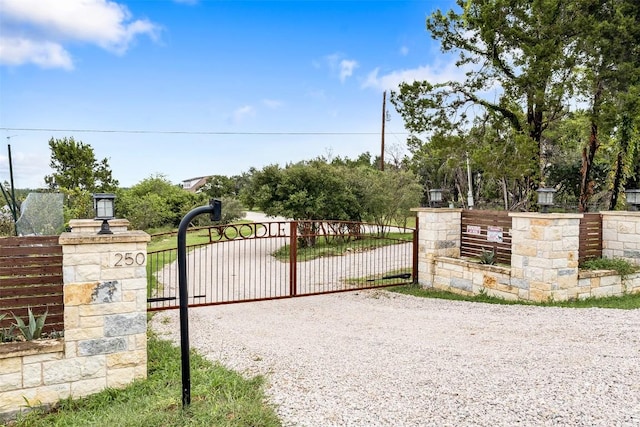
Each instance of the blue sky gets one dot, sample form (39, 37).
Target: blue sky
(206, 86)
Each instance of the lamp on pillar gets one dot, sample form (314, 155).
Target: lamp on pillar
(545, 197)
(103, 204)
(633, 199)
(435, 197)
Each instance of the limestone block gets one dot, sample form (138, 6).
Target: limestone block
(10, 381)
(126, 359)
(136, 284)
(75, 369)
(71, 316)
(76, 259)
(46, 394)
(70, 348)
(125, 324)
(78, 334)
(10, 365)
(32, 375)
(118, 378)
(86, 387)
(559, 295)
(539, 295)
(606, 291)
(611, 280)
(44, 357)
(78, 293)
(15, 400)
(525, 249)
(118, 273)
(86, 273)
(91, 322)
(102, 309)
(102, 346)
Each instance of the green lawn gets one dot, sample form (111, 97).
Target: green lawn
(627, 302)
(334, 247)
(219, 397)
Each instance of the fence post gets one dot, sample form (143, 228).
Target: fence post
(620, 231)
(439, 235)
(544, 255)
(293, 258)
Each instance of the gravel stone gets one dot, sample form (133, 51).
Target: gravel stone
(376, 358)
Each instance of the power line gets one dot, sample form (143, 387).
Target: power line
(183, 132)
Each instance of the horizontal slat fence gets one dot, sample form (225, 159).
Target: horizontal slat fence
(590, 243)
(486, 230)
(31, 276)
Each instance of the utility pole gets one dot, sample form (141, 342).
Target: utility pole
(470, 181)
(384, 117)
(11, 198)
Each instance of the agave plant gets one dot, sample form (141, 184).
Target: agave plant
(7, 334)
(32, 330)
(487, 257)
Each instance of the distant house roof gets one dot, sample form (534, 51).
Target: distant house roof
(194, 184)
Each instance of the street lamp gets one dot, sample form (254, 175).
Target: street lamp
(633, 199)
(435, 197)
(103, 204)
(545, 197)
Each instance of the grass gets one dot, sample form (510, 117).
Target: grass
(625, 302)
(219, 397)
(336, 247)
(621, 266)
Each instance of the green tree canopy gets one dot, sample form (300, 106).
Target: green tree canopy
(75, 167)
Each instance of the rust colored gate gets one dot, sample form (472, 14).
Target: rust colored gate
(272, 260)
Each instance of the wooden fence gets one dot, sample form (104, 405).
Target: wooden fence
(590, 243)
(488, 231)
(31, 276)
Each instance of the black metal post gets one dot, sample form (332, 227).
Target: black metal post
(214, 209)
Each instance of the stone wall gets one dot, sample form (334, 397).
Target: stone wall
(544, 257)
(104, 345)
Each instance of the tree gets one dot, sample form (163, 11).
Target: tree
(156, 202)
(78, 174)
(75, 167)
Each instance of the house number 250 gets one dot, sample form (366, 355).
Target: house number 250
(126, 259)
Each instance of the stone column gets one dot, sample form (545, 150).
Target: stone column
(544, 255)
(621, 235)
(105, 293)
(438, 235)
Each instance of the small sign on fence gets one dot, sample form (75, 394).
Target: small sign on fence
(474, 229)
(494, 234)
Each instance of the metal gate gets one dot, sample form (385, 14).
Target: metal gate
(272, 260)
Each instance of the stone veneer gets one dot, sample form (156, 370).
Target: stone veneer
(621, 235)
(105, 323)
(544, 257)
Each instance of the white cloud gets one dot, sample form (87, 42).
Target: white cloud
(438, 73)
(17, 51)
(32, 27)
(346, 69)
(242, 113)
(404, 51)
(272, 103)
(339, 65)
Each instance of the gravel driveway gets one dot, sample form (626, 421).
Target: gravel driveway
(376, 358)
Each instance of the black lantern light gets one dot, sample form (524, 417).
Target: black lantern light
(545, 197)
(633, 199)
(435, 197)
(103, 204)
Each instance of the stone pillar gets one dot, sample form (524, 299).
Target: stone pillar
(438, 235)
(544, 255)
(621, 235)
(105, 317)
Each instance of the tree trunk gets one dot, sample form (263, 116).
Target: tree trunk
(589, 153)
